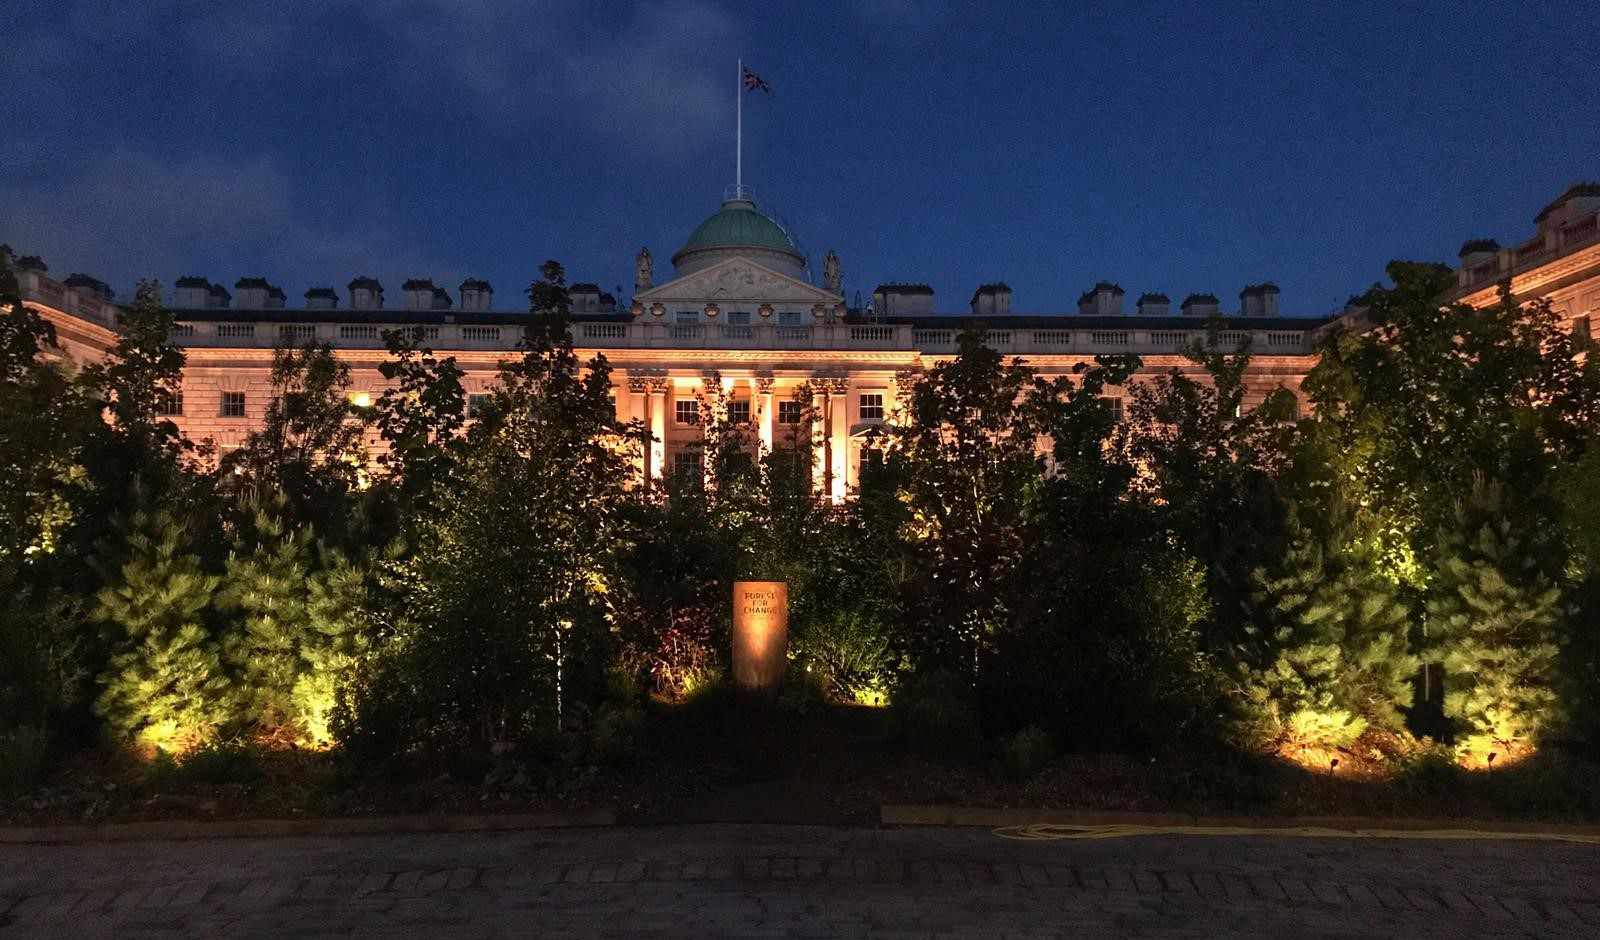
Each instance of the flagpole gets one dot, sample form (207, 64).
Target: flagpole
(738, 147)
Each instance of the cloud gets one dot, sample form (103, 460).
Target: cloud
(659, 79)
(131, 215)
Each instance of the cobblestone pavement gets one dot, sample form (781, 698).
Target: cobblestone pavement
(794, 881)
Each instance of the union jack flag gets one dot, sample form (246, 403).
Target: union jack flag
(754, 82)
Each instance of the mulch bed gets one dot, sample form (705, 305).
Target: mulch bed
(829, 764)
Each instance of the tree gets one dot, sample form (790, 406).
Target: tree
(164, 686)
(144, 369)
(265, 588)
(1211, 465)
(1439, 393)
(508, 586)
(1326, 654)
(336, 641)
(44, 420)
(967, 465)
(136, 458)
(420, 416)
(309, 445)
(1494, 609)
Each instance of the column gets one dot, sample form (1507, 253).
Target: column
(639, 410)
(839, 434)
(761, 396)
(657, 408)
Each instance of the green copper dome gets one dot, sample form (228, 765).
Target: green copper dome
(738, 224)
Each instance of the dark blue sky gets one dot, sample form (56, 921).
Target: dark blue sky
(1167, 147)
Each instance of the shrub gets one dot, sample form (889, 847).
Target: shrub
(24, 751)
(215, 764)
(614, 735)
(1429, 771)
(934, 714)
(1024, 754)
(848, 650)
(804, 691)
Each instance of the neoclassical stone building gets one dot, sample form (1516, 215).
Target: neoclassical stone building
(739, 308)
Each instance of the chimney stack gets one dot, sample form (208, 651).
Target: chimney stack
(476, 295)
(1478, 250)
(321, 298)
(366, 294)
(1200, 305)
(585, 298)
(992, 300)
(1154, 305)
(191, 292)
(903, 300)
(420, 294)
(1259, 300)
(1102, 300)
(83, 283)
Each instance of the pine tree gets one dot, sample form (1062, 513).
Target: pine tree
(265, 585)
(164, 685)
(1292, 656)
(1330, 655)
(1493, 614)
(333, 644)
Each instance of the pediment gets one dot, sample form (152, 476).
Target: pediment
(737, 280)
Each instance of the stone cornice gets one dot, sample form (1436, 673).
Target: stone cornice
(1540, 280)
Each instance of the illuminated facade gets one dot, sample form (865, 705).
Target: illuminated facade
(1560, 263)
(740, 309)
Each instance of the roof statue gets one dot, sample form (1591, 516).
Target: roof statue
(645, 271)
(830, 272)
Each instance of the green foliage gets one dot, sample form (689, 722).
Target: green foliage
(421, 414)
(1023, 755)
(264, 590)
(164, 685)
(42, 635)
(143, 368)
(847, 650)
(309, 446)
(966, 466)
(1327, 652)
(44, 418)
(1493, 616)
(935, 714)
(506, 597)
(215, 763)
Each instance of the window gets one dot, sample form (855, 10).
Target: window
(169, 404)
(738, 412)
(788, 412)
(686, 468)
(789, 318)
(872, 406)
(233, 404)
(1116, 409)
(739, 317)
(686, 411)
(476, 403)
(686, 316)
